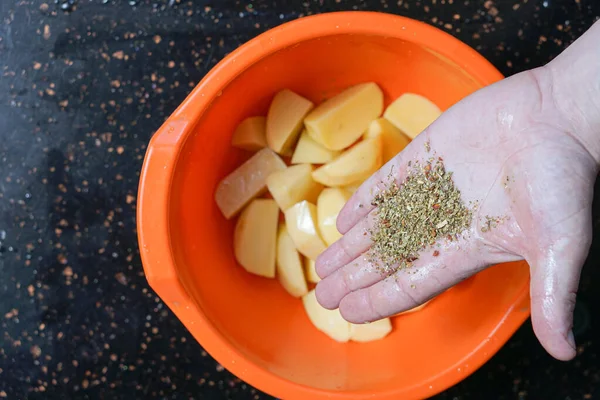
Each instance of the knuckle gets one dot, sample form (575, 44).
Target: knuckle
(374, 305)
(346, 248)
(409, 299)
(345, 281)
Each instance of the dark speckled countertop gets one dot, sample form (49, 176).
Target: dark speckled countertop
(83, 85)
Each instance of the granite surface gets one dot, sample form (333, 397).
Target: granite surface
(83, 85)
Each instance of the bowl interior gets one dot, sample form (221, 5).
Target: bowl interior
(263, 323)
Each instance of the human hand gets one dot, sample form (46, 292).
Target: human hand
(527, 153)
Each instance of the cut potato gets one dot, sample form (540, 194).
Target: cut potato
(284, 120)
(248, 181)
(373, 331)
(329, 205)
(255, 236)
(301, 222)
(353, 187)
(311, 271)
(289, 265)
(341, 120)
(417, 308)
(292, 185)
(250, 134)
(412, 113)
(310, 152)
(352, 166)
(393, 141)
(329, 322)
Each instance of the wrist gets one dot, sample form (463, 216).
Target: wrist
(575, 89)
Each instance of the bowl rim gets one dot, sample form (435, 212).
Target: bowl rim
(157, 174)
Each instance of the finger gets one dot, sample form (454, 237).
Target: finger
(355, 242)
(359, 205)
(358, 274)
(410, 287)
(554, 282)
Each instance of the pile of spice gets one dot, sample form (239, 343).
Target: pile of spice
(414, 215)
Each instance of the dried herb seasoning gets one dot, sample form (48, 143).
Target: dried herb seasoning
(491, 223)
(411, 216)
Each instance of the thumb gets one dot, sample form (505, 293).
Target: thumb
(554, 282)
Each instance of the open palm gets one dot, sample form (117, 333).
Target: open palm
(517, 158)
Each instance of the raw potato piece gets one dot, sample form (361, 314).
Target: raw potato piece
(284, 120)
(393, 141)
(311, 271)
(412, 113)
(292, 185)
(310, 152)
(351, 188)
(329, 205)
(289, 265)
(353, 166)
(248, 181)
(250, 134)
(341, 120)
(301, 222)
(369, 332)
(329, 322)
(255, 236)
(417, 308)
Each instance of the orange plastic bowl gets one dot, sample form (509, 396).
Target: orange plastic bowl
(249, 324)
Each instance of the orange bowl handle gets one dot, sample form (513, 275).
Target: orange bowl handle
(153, 202)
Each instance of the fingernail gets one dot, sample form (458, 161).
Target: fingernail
(571, 339)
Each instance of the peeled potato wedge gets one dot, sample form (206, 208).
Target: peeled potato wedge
(292, 185)
(417, 308)
(329, 322)
(248, 181)
(310, 271)
(351, 188)
(393, 141)
(250, 134)
(255, 237)
(289, 265)
(329, 205)
(310, 152)
(369, 332)
(284, 120)
(301, 222)
(341, 120)
(412, 113)
(352, 166)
